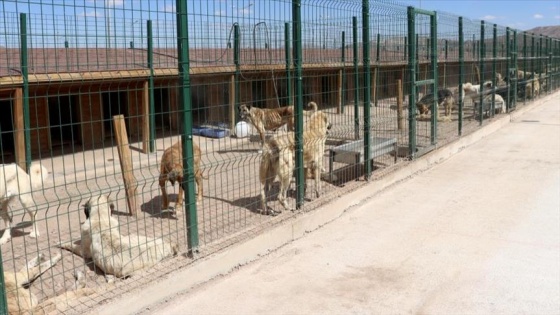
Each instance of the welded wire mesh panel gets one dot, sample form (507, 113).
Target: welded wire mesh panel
(103, 96)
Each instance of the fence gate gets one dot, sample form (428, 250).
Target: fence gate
(423, 77)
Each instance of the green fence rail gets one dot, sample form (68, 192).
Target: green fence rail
(222, 105)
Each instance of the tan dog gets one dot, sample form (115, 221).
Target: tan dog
(172, 170)
(16, 183)
(264, 119)
(270, 119)
(278, 159)
(116, 254)
(22, 301)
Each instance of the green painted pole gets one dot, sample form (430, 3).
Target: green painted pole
(524, 64)
(3, 300)
(508, 67)
(367, 87)
(494, 56)
(187, 139)
(481, 54)
(288, 62)
(412, 55)
(356, 78)
(236, 61)
(461, 74)
(343, 59)
(152, 113)
(25, 88)
(434, 60)
(515, 60)
(298, 106)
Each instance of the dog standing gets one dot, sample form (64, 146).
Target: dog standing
(444, 98)
(264, 119)
(116, 254)
(16, 183)
(278, 158)
(270, 119)
(172, 170)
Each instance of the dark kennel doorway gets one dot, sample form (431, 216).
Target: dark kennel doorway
(258, 88)
(114, 103)
(7, 143)
(162, 110)
(64, 120)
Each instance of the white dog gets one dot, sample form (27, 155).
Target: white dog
(114, 253)
(16, 183)
(499, 103)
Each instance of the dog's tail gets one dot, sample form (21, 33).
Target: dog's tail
(313, 106)
(38, 174)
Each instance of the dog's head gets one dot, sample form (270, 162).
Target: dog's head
(98, 206)
(244, 111)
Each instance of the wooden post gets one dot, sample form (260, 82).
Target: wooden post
(19, 134)
(145, 118)
(126, 163)
(232, 103)
(339, 91)
(400, 117)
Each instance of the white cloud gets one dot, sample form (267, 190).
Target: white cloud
(170, 8)
(220, 13)
(109, 3)
(557, 17)
(92, 13)
(488, 18)
(538, 16)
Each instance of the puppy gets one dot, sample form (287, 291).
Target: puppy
(16, 183)
(117, 255)
(444, 98)
(171, 169)
(278, 158)
(264, 119)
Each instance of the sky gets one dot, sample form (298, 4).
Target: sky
(519, 14)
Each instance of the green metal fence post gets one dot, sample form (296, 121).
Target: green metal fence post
(481, 61)
(288, 62)
(356, 78)
(3, 300)
(434, 61)
(25, 88)
(461, 74)
(494, 56)
(532, 63)
(515, 60)
(298, 106)
(237, 63)
(152, 111)
(412, 60)
(377, 59)
(367, 87)
(187, 139)
(343, 59)
(508, 67)
(524, 64)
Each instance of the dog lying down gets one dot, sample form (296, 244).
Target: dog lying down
(116, 254)
(22, 301)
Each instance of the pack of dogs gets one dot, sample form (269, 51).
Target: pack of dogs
(121, 256)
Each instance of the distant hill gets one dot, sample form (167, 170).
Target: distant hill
(552, 31)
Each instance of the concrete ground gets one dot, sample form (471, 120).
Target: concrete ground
(476, 234)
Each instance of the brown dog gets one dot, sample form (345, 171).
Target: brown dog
(264, 119)
(172, 170)
(278, 158)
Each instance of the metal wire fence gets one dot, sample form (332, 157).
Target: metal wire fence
(98, 93)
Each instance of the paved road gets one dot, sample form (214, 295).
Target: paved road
(477, 234)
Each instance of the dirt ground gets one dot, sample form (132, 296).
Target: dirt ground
(229, 212)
